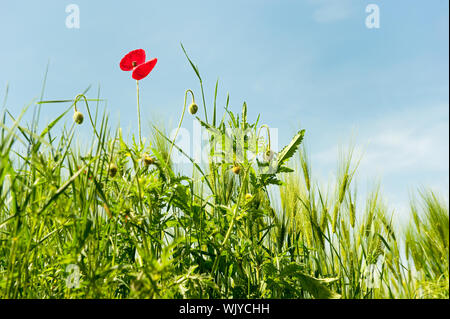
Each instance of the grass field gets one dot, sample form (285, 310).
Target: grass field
(116, 219)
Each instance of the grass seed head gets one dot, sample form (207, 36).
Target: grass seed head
(78, 117)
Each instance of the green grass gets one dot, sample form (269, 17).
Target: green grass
(149, 231)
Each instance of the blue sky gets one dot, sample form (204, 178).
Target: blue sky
(310, 64)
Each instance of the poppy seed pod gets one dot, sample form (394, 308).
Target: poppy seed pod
(148, 160)
(268, 155)
(193, 108)
(236, 169)
(112, 169)
(78, 117)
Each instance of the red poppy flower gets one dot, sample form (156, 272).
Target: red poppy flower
(141, 71)
(135, 61)
(132, 60)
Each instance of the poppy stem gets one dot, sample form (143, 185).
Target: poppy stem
(233, 220)
(257, 136)
(82, 96)
(181, 121)
(139, 114)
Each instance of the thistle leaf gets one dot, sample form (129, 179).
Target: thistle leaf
(289, 150)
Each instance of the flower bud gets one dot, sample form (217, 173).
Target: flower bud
(78, 117)
(268, 155)
(193, 108)
(248, 196)
(112, 169)
(236, 169)
(148, 160)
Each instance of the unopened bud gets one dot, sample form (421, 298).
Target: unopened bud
(193, 108)
(112, 169)
(148, 160)
(78, 117)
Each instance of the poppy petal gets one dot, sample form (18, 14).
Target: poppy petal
(137, 56)
(141, 71)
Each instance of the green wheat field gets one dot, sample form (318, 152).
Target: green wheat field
(113, 217)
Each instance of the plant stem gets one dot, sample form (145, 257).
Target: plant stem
(179, 124)
(233, 219)
(139, 114)
(257, 136)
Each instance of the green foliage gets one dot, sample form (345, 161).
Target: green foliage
(148, 231)
(426, 243)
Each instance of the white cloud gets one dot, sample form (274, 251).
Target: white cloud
(331, 10)
(404, 151)
(401, 142)
(408, 148)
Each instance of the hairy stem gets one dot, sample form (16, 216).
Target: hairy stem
(138, 114)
